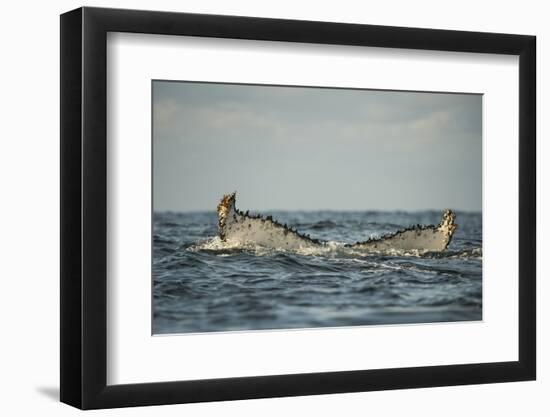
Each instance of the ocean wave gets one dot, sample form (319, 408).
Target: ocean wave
(202, 284)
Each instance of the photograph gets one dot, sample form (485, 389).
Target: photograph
(286, 207)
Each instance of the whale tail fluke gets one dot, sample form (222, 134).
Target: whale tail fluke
(240, 227)
(448, 225)
(225, 207)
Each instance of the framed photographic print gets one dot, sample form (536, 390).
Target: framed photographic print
(259, 207)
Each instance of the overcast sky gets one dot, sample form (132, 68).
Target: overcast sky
(296, 148)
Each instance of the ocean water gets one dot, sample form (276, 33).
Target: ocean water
(201, 284)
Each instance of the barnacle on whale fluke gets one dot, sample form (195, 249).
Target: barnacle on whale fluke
(240, 227)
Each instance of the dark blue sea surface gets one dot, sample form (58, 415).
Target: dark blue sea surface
(201, 284)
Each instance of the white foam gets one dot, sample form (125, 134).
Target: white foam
(329, 248)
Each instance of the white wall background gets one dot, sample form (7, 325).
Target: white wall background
(29, 178)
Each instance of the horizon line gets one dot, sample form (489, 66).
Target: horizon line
(324, 209)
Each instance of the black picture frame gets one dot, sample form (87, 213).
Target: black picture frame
(84, 207)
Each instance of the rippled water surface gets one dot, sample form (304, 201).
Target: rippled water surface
(201, 284)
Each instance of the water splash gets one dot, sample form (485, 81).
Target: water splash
(329, 248)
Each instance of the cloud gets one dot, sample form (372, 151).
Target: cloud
(165, 113)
